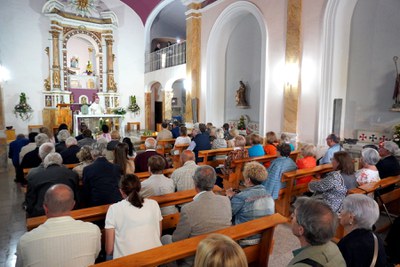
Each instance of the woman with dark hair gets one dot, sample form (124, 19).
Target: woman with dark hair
(131, 149)
(278, 166)
(332, 188)
(105, 134)
(121, 158)
(133, 224)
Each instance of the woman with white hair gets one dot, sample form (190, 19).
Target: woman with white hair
(369, 173)
(359, 213)
(388, 165)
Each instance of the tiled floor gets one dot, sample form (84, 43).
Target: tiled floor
(12, 217)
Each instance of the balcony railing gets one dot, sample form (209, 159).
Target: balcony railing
(170, 56)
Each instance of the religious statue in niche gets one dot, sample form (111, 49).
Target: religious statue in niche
(396, 92)
(89, 68)
(74, 63)
(241, 96)
(48, 101)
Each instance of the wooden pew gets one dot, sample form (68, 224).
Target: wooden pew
(371, 187)
(232, 180)
(176, 163)
(257, 255)
(164, 146)
(208, 156)
(282, 204)
(69, 166)
(99, 212)
(144, 175)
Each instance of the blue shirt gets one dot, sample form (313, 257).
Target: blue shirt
(278, 166)
(175, 132)
(329, 154)
(256, 151)
(15, 148)
(251, 203)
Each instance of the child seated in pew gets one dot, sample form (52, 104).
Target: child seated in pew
(133, 224)
(307, 161)
(219, 250)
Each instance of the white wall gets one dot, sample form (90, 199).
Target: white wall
(374, 41)
(243, 61)
(23, 38)
(273, 21)
(129, 61)
(312, 17)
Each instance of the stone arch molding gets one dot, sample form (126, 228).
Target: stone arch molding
(216, 47)
(94, 38)
(335, 57)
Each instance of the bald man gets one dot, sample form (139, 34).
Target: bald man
(183, 176)
(61, 240)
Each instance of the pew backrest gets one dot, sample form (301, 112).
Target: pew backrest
(282, 204)
(232, 180)
(99, 212)
(257, 255)
(144, 175)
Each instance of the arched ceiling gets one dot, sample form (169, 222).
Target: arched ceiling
(142, 7)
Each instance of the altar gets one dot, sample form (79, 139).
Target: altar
(94, 123)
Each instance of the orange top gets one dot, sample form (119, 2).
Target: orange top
(304, 163)
(269, 150)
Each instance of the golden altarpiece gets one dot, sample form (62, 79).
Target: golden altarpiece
(80, 59)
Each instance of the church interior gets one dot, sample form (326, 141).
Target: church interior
(302, 67)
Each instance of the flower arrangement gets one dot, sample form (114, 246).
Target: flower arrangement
(241, 125)
(133, 106)
(119, 111)
(396, 134)
(23, 109)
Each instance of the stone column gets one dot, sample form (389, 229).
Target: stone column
(293, 63)
(147, 111)
(56, 58)
(168, 105)
(3, 140)
(110, 66)
(193, 55)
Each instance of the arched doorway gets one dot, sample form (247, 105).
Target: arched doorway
(178, 101)
(156, 108)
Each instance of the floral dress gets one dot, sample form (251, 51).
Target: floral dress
(365, 176)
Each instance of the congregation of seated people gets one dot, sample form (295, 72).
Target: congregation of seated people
(105, 171)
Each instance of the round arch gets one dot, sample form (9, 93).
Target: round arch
(216, 47)
(334, 67)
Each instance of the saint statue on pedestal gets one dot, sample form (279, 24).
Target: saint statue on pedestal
(241, 96)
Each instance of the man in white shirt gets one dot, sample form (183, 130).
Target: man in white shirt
(157, 184)
(95, 108)
(164, 133)
(183, 176)
(61, 240)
